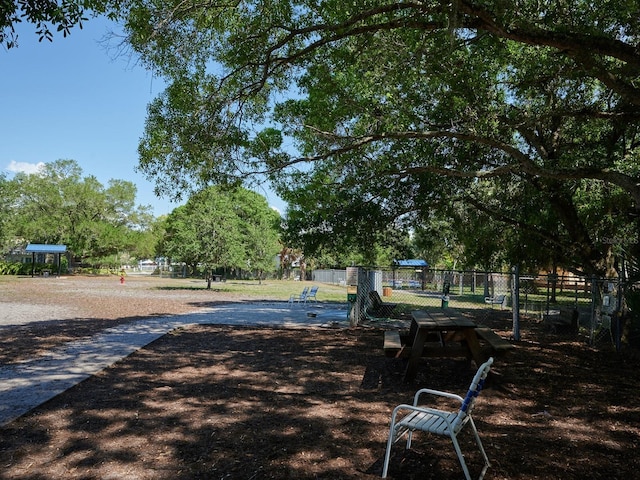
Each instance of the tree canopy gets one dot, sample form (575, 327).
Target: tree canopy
(369, 114)
(60, 205)
(219, 228)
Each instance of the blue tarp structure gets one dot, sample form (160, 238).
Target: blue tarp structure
(34, 248)
(410, 263)
(413, 275)
(42, 248)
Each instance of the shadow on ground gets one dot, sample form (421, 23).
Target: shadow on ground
(245, 402)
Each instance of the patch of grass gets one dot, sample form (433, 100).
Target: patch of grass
(266, 290)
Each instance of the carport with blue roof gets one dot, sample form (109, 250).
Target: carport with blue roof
(44, 249)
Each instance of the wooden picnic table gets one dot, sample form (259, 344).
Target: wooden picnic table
(446, 325)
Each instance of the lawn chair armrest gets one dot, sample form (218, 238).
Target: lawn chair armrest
(437, 393)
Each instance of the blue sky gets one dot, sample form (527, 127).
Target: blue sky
(74, 99)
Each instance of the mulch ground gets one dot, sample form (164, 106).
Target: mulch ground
(219, 402)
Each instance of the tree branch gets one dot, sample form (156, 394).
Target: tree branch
(523, 163)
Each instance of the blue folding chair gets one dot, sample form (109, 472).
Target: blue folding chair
(299, 298)
(312, 295)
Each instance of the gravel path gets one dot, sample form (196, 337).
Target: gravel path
(22, 314)
(31, 379)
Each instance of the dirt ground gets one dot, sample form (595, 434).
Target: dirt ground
(220, 402)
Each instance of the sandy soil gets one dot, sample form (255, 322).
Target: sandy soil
(38, 314)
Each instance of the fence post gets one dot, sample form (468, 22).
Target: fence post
(361, 299)
(618, 311)
(487, 293)
(515, 302)
(594, 300)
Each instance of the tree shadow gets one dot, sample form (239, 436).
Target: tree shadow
(245, 402)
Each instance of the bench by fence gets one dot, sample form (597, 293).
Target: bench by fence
(496, 300)
(378, 308)
(563, 320)
(392, 343)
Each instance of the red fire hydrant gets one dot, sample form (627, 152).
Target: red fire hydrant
(122, 279)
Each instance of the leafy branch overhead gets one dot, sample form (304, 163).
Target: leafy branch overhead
(411, 109)
(47, 16)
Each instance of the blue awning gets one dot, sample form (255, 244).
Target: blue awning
(42, 248)
(410, 263)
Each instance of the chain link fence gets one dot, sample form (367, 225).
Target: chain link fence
(417, 288)
(589, 306)
(592, 306)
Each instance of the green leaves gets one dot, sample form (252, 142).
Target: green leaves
(60, 206)
(223, 228)
(370, 116)
(59, 15)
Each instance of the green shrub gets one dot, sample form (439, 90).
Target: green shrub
(9, 268)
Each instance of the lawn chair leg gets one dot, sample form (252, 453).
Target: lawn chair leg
(409, 438)
(394, 436)
(487, 464)
(387, 453)
(463, 464)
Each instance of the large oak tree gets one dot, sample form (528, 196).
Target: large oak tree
(230, 229)
(525, 112)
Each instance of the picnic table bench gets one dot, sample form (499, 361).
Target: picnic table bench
(499, 346)
(397, 344)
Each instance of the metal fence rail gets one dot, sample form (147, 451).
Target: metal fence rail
(333, 276)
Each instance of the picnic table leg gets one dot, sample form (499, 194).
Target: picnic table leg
(473, 344)
(416, 355)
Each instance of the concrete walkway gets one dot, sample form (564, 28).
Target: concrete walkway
(26, 385)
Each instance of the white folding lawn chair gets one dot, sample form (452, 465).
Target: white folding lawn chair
(440, 422)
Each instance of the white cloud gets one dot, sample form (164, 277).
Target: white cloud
(24, 167)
